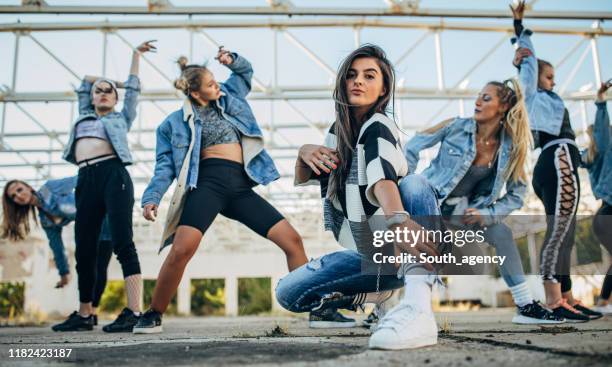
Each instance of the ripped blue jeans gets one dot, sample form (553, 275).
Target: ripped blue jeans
(302, 289)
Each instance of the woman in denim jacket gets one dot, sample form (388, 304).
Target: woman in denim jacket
(555, 175)
(213, 147)
(98, 145)
(597, 159)
(477, 157)
(54, 202)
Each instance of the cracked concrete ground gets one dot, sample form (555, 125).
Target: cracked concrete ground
(476, 338)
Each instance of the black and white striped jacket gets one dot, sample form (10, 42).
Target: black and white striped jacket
(378, 156)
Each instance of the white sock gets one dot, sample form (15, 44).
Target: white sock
(521, 294)
(417, 292)
(374, 297)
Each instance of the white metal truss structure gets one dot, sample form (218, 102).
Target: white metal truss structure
(280, 18)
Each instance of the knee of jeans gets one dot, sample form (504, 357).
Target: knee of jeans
(416, 192)
(498, 233)
(282, 293)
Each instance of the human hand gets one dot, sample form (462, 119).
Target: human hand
(518, 11)
(520, 54)
(224, 57)
(473, 216)
(318, 158)
(603, 88)
(147, 47)
(149, 212)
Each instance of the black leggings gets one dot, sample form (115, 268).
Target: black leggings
(224, 187)
(556, 183)
(602, 226)
(103, 188)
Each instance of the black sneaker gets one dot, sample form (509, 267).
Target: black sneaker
(95, 317)
(123, 324)
(593, 315)
(534, 313)
(75, 322)
(329, 318)
(569, 313)
(149, 322)
(372, 319)
(336, 300)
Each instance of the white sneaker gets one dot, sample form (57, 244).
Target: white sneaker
(404, 327)
(606, 310)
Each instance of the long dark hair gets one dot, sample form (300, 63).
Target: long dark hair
(15, 218)
(346, 128)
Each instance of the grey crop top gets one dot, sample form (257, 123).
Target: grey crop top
(91, 128)
(216, 129)
(473, 176)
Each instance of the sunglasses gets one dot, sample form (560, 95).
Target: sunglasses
(99, 90)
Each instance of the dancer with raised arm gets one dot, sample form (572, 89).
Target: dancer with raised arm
(98, 145)
(555, 177)
(213, 147)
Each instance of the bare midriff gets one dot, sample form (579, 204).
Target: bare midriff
(88, 148)
(230, 151)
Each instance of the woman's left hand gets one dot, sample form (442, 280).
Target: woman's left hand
(147, 47)
(473, 216)
(224, 56)
(601, 92)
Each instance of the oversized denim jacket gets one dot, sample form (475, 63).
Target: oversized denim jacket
(178, 144)
(174, 137)
(456, 154)
(545, 108)
(57, 199)
(600, 169)
(116, 124)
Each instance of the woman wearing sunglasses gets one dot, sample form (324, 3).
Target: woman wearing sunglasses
(98, 145)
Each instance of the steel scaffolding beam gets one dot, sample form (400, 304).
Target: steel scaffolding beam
(284, 94)
(290, 23)
(289, 10)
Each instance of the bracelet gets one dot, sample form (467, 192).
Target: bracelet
(398, 217)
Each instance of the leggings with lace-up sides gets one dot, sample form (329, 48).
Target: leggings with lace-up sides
(556, 183)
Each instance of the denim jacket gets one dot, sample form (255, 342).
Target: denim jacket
(545, 108)
(116, 124)
(456, 154)
(600, 169)
(178, 145)
(57, 199)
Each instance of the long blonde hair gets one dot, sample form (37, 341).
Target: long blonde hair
(516, 125)
(592, 148)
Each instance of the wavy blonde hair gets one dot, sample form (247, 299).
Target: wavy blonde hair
(516, 124)
(592, 148)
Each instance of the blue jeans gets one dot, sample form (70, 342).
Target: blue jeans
(302, 289)
(496, 235)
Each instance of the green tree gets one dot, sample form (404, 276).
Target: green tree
(11, 299)
(254, 295)
(208, 297)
